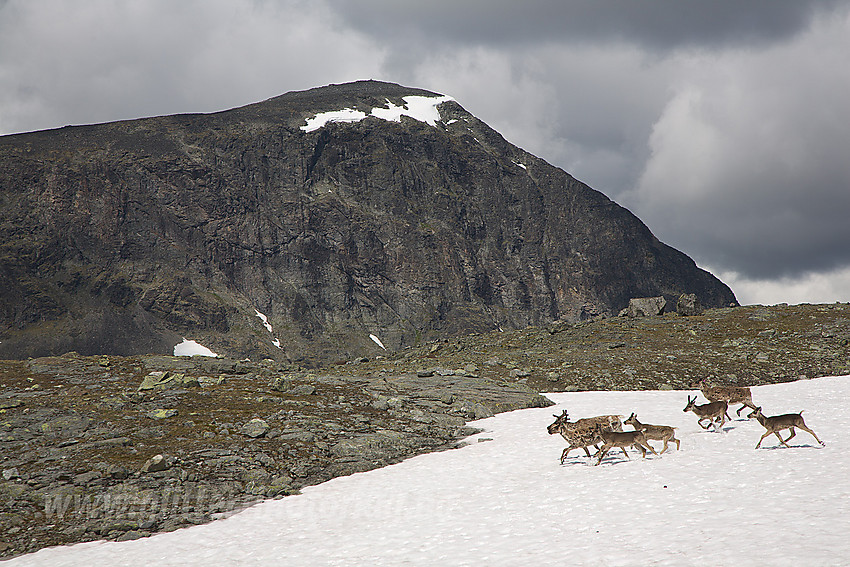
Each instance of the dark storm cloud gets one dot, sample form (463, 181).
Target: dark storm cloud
(747, 167)
(657, 23)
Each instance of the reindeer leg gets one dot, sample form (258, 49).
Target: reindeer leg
(602, 452)
(793, 433)
(565, 453)
(587, 451)
(648, 446)
(804, 428)
(677, 443)
(762, 439)
(781, 440)
(746, 405)
(626, 453)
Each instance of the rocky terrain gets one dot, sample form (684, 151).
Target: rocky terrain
(122, 447)
(122, 238)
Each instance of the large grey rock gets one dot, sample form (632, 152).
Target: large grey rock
(299, 435)
(162, 413)
(66, 426)
(286, 385)
(11, 473)
(377, 446)
(157, 463)
(255, 428)
(163, 379)
(156, 379)
(689, 305)
(645, 307)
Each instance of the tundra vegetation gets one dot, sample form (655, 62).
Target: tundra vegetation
(79, 435)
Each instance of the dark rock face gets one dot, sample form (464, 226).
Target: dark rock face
(124, 237)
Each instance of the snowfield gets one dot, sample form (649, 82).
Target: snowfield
(504, 499)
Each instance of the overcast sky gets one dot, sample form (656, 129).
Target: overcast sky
(723, 125)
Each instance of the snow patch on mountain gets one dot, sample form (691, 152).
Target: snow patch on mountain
(377, 341)
(192, 348)
(421, 108)
(267, 325)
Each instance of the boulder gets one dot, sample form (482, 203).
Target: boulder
(156, 379)
(164, 379)
(11, 473)
(255, 428)
(645, 307)
(284, 384)
(689, 305)
(162, 413)
(157, 463)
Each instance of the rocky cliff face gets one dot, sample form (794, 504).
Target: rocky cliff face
(122, 238)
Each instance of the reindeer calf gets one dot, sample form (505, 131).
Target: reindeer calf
(777, 423)
(622, 439)
(657, 432)
(710, 412)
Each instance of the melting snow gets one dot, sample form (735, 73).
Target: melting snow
(377, 341)
(344, 115)
(422, 108)
(265, 320)
(268, 326)
(191, 348)
(507, 502)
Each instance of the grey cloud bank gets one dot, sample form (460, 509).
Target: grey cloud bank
(657, 24)
(722, 125)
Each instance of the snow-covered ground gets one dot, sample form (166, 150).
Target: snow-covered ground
(506, 500)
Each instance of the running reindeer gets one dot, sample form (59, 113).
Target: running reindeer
(709, 411)
(582, 433)
(729, 394)
(622, 439)
(655, 432)
(777, 423)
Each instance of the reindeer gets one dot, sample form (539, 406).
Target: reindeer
(709, 411)
(622, 439)
(730, 394)
(777, 423)
(657, 432)
(582, 433)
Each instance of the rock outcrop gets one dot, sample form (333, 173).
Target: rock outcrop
(645, 307)
(279, 230)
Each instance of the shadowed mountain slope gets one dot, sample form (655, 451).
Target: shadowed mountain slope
(124, 237)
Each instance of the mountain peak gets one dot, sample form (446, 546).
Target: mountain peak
(340, 213)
